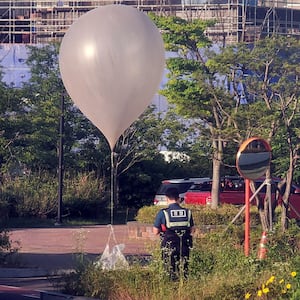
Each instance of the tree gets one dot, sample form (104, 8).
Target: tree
(273, 82)
(85, 147)
(269, 74)
(11, 123)
(44, 94)
(142, 140)
(197, 89)
(37, 145)
(235, 92)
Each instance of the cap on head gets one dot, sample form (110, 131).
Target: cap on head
(172, 193)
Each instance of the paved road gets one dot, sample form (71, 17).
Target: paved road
(26, 288)
(15, 293)
(52, 250)
(14, 296)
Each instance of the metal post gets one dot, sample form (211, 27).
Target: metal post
(247, 216)
(60, 161)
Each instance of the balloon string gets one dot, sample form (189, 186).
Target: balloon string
(112, 188)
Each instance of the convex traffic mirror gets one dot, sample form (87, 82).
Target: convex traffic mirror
(253, 158)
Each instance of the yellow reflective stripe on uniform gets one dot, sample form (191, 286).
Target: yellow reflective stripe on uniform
(170, 224)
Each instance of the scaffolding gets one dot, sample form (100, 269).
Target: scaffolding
(34, 22)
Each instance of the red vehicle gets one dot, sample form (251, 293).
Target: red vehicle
(233, 192)
(181, 184)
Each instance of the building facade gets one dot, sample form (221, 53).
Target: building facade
(43, 21)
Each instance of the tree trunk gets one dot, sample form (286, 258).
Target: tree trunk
(286, 195)
(217, 159)
(260, 207)
(265, 218)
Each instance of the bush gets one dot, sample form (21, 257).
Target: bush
(218, 270)
(6, 248)
(202, 214)
(218, 267)
(30, 195)
(36, 195)
(84, 196)
(147, 214)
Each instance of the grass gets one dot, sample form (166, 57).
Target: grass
(219, 270)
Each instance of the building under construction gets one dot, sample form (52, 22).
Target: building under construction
(42, 21)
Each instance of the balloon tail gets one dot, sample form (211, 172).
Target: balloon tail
(112, 173)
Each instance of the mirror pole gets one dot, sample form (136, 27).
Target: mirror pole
(247, 217)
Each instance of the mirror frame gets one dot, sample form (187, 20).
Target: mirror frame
(243, 148)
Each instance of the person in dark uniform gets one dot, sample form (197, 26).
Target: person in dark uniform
(175, 225)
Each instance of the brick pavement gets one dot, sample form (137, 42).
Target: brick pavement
(51, 251)
(54, 248)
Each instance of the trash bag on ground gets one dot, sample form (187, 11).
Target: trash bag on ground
(112, 259)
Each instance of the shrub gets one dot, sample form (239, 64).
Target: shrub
(147, 214)
(6, 248)
(84, 196)
(30, 195)
(36, 195)
(218, 267)
(90, 281)
(218, 270)
(202, 214)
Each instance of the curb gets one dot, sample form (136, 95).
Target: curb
(59, 296)
(24, 272)
(29, 272)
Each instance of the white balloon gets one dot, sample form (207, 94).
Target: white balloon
(111, 62)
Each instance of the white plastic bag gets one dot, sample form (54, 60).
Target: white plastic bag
(114, 259)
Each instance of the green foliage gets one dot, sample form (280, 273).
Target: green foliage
(202, 214)
(35, 195)
(205, 86)
(43, 94)
(183, 35)
(30, 117)
(286, 243)
(30, 195)
(140, 141)
(197, 85)
(218, 270)
(84, 196)
(90, 281)
(147, 214)
(6, 247)
(139, 184)
(12, 124)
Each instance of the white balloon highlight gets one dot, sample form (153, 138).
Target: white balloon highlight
(111, 62)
